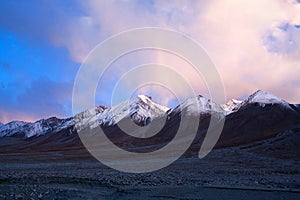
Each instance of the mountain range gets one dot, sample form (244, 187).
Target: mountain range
(262, 116)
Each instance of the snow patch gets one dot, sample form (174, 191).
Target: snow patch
(89, 118)
(263, 98)
(231, 106)
(141, 109)
(37, 128)
(11, 128)
(199, 105)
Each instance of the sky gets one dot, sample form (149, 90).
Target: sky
(253, 44)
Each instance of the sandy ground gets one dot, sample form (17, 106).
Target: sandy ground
(230, 173)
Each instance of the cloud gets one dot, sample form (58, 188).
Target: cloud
(254, 44)
(43, 98)
(245, 39)
(236, 36)
(46, 21)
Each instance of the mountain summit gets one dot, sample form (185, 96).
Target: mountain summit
(142, 110)
(198, 105)
(264, 97)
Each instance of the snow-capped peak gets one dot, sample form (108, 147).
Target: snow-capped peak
(43, 126)
(261, 97)
(231, 106)
(148, 100)
(265, 97)
(11, 128)
(198, 105)
(141, 109)
(40, 127)
(144, 98)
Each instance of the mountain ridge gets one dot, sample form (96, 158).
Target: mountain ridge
(141, 109)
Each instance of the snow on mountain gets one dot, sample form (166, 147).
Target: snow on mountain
(141, 109)
(44, 126)
(89, 118)
(231, 106)
(158, 107)
(37, 128)
(1, 124)
(87, 114)
(263, 97)
(198, 105)
(11, 128)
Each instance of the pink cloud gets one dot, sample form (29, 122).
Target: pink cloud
(234, 33)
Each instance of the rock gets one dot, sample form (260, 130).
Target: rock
(18, 196)
(40, 196)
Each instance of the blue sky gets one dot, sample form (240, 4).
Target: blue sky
(36, 75)
(44, 42)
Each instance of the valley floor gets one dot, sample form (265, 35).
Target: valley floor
(231, 173)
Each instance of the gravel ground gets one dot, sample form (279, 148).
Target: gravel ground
(228, 173)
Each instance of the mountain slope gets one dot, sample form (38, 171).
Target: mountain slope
(198, 105)
(37, 128)
(141, 109)
(285, 145)
(11, 128)
(259, 117)
(264, 98)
